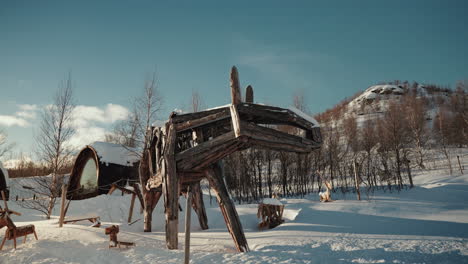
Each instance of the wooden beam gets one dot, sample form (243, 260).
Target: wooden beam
(265, 114)
(198, 204)
(214, 176)
(235, 120)
(193, 123)
(171, 190)
(188, 215)
(130, 212)
(249, 94)
(236, 97)
(264, 136)
(176, 119)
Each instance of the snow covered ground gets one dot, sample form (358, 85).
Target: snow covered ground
(427, 224)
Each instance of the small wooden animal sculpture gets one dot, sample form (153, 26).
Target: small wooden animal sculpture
(112, 231)
(13, 231)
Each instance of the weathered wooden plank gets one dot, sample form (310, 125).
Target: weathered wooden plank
(204, 146)
(277, 138)
(249, 94)
(188, 215)
(205, 120)
(180, 118)
(236, 97)
(198, 204)
(62, 204)
(171, 190)
(235, 120)
(228, 208)
(272, 115)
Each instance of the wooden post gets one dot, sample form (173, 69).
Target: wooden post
(235, 120)
(188, 214)
(171, 190)
(62, 204)
(356, 181)
(4, 201)
(130, 213)
(198, 205)
(249, 95)
(236, 97)
(227, 207)
(459, 164)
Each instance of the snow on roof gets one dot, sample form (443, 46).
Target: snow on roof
(304, 115)
(115, 153)
(271, 201)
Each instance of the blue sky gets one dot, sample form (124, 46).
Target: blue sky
(327, 50)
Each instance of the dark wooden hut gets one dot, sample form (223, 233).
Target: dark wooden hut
(100, 165)
(4, 182)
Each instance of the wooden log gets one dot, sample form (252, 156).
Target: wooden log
(176, 119)
(198, 205)
(278, 140)
(62, 204)
(132, 204)
(4, 201)
(235, 121)
(236, 97)
(193, 123)
(265, 114)
(249, 94)
(214, 176)
(188, 215)
(171, 190)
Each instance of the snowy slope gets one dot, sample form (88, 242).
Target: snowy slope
(427, 224)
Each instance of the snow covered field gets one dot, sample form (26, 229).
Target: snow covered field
(427, 224)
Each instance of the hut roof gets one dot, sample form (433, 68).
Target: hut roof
(115, 153)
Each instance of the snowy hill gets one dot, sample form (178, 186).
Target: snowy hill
(426, 224)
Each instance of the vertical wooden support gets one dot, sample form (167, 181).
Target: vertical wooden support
(171, 190)
(62, 204)
(235, 120)
(249, 94)
(198, 205)
(132, 204)
(5, 201)
(236, 97)
(356, 181)
(228, 208)
(188, 215)
(459, 164)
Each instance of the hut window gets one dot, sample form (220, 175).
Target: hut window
(88, 178)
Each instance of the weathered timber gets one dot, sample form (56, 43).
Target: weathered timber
(236, 97)
(171, 190)
(249, 94)
(145, 171)
(214, 176)
(112, 231)
(180, 118)
(188, 215)
(263, 114)
(235, 120)
(130, 212)
(278, 140)
(193, 123)
(187, 155)
(198, 205)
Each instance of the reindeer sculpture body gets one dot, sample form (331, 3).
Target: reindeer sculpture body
(13, 231)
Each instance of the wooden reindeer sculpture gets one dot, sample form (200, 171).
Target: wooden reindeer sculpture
(112, 231)
(13, 231)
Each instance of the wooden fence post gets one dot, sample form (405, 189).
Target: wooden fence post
(188, 214)
(171, 190)
(459, 164)
(62, 204)
(130, 213)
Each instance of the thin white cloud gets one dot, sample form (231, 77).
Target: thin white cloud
(84, 116)
(27, 111)
(10, 120)
(86, 135)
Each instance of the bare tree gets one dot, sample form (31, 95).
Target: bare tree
(196, 101)
(5, 147)
(54, 131)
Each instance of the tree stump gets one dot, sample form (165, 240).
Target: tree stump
(271, 213)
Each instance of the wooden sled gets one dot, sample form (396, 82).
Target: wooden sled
(112, 231)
